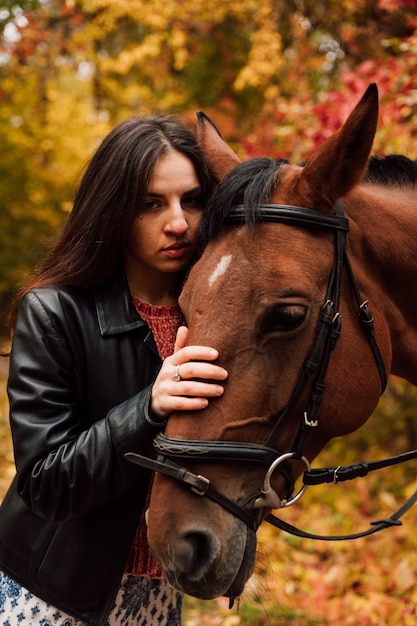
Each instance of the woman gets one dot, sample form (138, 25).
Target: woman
(94, 374)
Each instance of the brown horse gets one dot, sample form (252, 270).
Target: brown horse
(282, 292)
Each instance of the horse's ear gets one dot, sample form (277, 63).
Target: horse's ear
(340, 162)
(219, 155)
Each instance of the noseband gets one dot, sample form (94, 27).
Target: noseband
(171, 452)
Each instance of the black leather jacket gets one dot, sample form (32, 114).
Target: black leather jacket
(81, 371)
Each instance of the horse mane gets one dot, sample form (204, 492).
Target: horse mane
(253, 182)
(394, 170)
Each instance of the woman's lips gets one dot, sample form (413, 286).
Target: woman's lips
(177, 251)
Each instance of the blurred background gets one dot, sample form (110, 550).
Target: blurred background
(277, 77)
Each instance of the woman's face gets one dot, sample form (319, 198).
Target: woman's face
(164, 235)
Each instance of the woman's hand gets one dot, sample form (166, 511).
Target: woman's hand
(175, 388)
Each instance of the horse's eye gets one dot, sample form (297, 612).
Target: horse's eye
(282, 318)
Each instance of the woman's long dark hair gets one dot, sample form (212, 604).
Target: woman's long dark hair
(91, 246)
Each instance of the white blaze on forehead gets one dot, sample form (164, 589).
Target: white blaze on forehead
(220, 268)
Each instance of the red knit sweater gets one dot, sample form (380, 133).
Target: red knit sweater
(164, 322)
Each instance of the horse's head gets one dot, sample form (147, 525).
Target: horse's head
(258, 295)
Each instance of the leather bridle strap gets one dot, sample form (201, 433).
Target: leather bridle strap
(327, 333)
(393, 520)
(329, 325)
(368, 325)
(291, 215)
(197, 483)
(320, 476)
(189, 450)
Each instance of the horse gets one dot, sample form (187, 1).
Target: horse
(304, 286)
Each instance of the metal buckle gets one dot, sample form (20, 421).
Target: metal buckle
(311, 423)
(198, 484)
(335, 476)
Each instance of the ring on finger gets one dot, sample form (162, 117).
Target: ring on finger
(177, 376)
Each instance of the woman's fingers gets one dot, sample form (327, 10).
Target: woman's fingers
(198, 370)
(192, 353)
(170, 394)
(188, 378)
(188, 395)
(181, 338)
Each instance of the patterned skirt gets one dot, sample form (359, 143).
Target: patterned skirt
(140, 601)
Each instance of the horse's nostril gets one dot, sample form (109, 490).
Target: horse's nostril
(195, 553)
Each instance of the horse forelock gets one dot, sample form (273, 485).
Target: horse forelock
(250, 184)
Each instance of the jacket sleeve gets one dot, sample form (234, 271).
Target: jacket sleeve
(64, 468)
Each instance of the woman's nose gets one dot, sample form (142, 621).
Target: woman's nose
(177, 221)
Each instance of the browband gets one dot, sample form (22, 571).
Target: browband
(288, 214)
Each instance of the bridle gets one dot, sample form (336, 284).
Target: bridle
(171, 452)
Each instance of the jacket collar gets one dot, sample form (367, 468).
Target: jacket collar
(115, 311)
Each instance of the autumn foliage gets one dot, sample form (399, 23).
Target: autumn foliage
(277, 77)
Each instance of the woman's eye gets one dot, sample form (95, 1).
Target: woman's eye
(282, 318)
(148, 205)
(192, 202)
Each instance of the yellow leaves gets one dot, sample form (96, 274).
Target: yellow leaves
(176, 31)
(150, 48)
(152, 14)
(263, 63)
(264, 59)
(178, 42)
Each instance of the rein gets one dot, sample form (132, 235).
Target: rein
(171, 450)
